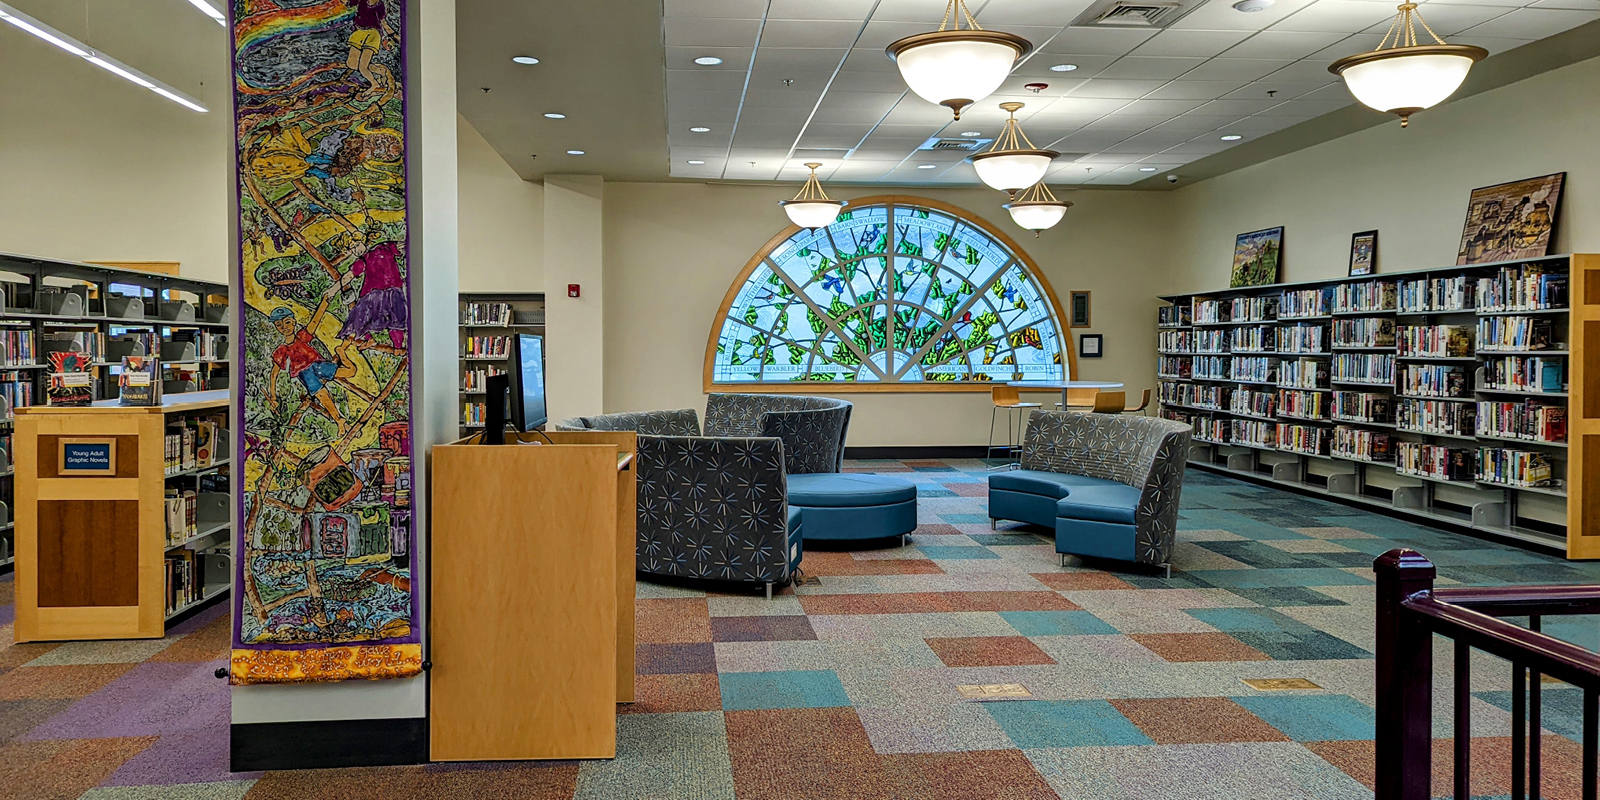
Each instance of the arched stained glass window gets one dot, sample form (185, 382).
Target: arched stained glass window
(898, 290)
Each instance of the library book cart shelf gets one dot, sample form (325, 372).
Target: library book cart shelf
(488, 321)
(1468, 395)
(122, 516)
(105, 313)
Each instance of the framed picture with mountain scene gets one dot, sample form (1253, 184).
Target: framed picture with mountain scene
(1257, 257)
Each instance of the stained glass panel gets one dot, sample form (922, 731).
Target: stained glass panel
(892, 293)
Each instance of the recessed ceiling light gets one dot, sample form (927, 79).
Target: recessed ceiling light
(554, 115)
(1232, 137)
(574, 152)
(972, 133)
(525, 59)
(696, 162)
(699, 129)
(1147, 169)
(708, 61)
(1063, 67)
(926, 166)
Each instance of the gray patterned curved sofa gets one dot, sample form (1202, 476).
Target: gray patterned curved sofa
(716, 506)
(1108, 483)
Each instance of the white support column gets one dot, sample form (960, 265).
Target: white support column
(575, 327)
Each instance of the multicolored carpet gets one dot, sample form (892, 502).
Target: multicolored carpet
(851, 686)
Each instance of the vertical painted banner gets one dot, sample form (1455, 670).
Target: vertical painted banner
(325, 537)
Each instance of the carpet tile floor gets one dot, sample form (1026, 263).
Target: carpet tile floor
(851, 685)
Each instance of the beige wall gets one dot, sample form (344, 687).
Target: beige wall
(1410, 184)
(672, 250)
(502, 220)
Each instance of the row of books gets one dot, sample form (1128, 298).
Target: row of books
(1303, 303)
(1298, 403)
(1255, 402)
(1363, 332)
(1262, 369)
(477, 379)
(1254, 432)
(1448, 341)
(1515, 333)
(1311, 440)
(1212, 429)
(1528, 419)
(16, 348)
(1527, 287)
(1363, 368)
(1363, 407)
(1453, 293)
(1176, 341)
(1366, 296)
(1440, 462)
(1435, 380)
(1435, 416)
(185, 578)
(1211, 341)
(1510, 467)
(1174, 316)
(486, 346)
(1303, 373)
(1213, 368)
(1196, 395)
(181, 509)
(16, 388)
(1526, 373)
(472, 413)
(1302, 339)
(486, 314)
(1209, 311)
(1252, 339)
(1174, 367)
(191, 443)
(1363, 444)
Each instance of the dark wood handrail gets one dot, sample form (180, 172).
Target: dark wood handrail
(1518, 601)
(1540, 651)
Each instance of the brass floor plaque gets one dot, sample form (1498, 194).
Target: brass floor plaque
(994, 691)
(1278, 684)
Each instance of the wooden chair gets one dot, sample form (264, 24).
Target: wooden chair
(1010, 399)
(1110, 402)
(1082, 399)
(1144, 403)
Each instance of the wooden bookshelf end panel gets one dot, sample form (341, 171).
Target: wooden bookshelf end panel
(88, 553)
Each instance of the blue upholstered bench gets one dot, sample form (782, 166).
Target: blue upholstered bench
(849, 506)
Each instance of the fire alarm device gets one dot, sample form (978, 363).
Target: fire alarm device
(572, 290)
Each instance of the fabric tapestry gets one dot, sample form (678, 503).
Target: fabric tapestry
(326, 537)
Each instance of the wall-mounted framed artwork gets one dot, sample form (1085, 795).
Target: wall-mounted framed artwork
(1091, 345)
(1079, 305)
(1511, 220)
(1257, 257)
(1364, 253)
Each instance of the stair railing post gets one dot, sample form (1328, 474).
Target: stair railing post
(1403, 740)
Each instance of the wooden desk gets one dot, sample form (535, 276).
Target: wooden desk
(532, 599)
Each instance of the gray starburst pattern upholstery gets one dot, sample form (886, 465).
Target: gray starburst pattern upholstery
(813, 429)
(1143, 452)
(677, 422)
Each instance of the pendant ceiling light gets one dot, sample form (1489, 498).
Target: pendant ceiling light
(1403, 77)
(811, 208)
(1012, 163)
(1037, 209)
(957, 67)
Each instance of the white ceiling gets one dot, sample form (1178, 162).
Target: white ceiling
(1139, 98)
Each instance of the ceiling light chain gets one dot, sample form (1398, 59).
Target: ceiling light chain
(811, 208)
(1013, 162)
(959, 5)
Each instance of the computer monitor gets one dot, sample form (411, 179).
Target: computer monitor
(527, 401)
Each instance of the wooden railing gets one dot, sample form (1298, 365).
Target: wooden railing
(1410, 611)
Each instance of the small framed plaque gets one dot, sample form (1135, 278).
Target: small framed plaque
(1091, 345)
(1080, 309)
(87, 457)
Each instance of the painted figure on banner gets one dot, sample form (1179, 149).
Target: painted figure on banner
(326, 539)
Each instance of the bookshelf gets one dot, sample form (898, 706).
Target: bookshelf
(121, 553)
(52, 305)
(1465, 395)
(488, 320)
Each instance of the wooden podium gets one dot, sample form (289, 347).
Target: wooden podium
(533, 596)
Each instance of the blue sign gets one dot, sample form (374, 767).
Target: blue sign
(98, 458)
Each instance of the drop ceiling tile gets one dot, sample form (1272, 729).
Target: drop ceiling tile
(713, 81)
(1096, 42)
(998, 13)
(802, 59)
(1495, 46)
(1314, 108)
(1116, 89)
(1235, 69)
(1221, 16)
(747, 154)
(878, 34)
(820, 9)
(1149, 68)
(1582, 5)
(1109, 161)
(1348, 46)
(817, 136)
(1534, 23)
(1127, 123)
(726, 9)
(847, 81)
(796, 115)
(701, 142)
(1508, 4)
(1237, 108)
(918, 131)
(1074, 105)
(1146, 144)
(1276, 90)
(1262, 124)
(1196, 123)
(1308, 70)
(1333, 91)
(1193, 90)
(1156, 108)
(793, 97)
(1338, 16)
(700, 153)
(1038, 67)
(1090, 141)
(927, 12)
(1283, 44)
(1450, 19)
(879, 102)
(721, 103)
(799, 81)
(1056, 86)
(1120, 178)
(1196, 148)
(734, 59)
(810, 33)
(766, 136)
(696, 31)
(914, 110)
(1201, 44)
(866, 59)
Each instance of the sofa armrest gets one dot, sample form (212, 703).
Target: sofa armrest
(1156, 517)
(713, 507)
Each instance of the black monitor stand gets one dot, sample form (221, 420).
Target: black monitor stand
(498, 392)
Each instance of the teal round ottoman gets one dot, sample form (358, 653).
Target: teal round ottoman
(845, 506)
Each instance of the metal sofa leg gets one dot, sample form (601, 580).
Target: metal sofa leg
(1063, 558)
(1168, 568)
(769, 590)
(994, 524)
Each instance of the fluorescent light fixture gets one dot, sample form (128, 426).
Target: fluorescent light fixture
(973, 134)
(574, 152)
(699, 129)
(525, 59)
(1232, 137)
(554, 115)
(708, 61)
(695, 162)
(24, 22)
(1147, 169)
(1063, 67)
(211, 11)
(926, 166)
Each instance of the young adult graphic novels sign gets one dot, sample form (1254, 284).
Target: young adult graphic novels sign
(325, 542)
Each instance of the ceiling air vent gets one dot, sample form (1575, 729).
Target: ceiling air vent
(1133, 14)
(964, 145)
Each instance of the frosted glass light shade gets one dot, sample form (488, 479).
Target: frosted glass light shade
(1037, 216)
(957, 68)
(812, 213)
(1014, 170)
(1405, 80)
